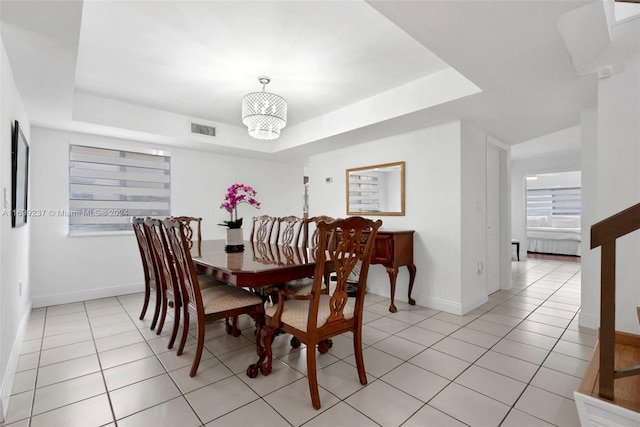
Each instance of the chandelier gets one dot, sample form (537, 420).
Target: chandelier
(264, 113)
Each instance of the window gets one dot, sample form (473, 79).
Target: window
(107, 187)
(553, 201)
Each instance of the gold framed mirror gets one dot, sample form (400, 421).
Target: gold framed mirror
(376, 190)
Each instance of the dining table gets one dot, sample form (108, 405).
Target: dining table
(258, 265)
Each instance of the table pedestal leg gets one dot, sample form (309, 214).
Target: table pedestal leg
(264, 339)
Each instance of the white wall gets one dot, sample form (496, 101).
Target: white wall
(65, 268)
(613, 158)
(590, 268)
(526, 161)
(556, 180)
(437, 194)
(15, 306)
(473, 242)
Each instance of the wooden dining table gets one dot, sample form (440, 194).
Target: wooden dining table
(260, 264)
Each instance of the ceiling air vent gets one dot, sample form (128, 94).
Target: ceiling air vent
(203, 129)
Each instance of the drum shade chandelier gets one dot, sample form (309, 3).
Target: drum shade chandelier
(264, 113)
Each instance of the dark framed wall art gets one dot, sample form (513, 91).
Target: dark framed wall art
(19, 176)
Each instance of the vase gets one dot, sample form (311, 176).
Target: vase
(235, 240)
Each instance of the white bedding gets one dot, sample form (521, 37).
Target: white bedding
(554, 235)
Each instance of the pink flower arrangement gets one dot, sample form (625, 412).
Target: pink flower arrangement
(237, 194)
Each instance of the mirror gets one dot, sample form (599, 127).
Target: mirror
(376, 190)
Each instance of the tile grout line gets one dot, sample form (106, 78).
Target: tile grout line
(104, 380)
(35, 382)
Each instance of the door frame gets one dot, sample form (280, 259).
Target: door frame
(504, 152)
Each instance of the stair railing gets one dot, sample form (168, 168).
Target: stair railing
(604, 234)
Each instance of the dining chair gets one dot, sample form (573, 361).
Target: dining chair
(189, 222)
(188, 227)
(311, 226)
(217, 302)
(304, 285)
(170, 289)
(316, 317)
(289, 230)
(166, 274)
(151, 284)
(262, 228)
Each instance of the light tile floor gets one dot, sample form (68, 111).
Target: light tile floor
(515, 361)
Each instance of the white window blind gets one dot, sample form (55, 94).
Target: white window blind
(554, 201)
(107, 187)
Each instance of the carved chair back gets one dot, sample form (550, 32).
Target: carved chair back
(183, 263)
(189, 223)
(143, 246)
(311, 235)
(262, 228)
(290, 230)
(345, 243)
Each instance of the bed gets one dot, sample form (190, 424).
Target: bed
(554, 234)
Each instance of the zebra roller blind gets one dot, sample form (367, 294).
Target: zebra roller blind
(107, 187)
(554, 201)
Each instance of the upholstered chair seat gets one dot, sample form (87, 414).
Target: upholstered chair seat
(223, 298)
(296, 312)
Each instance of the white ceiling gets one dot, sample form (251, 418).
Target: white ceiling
(350, 70)
(199, 59)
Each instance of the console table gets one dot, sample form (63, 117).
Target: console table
(394, 249)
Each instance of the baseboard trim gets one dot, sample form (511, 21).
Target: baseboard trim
(87, 294)
(474, 303)
(588, 321)
(434, 303)
(444, 305)
(12, 365)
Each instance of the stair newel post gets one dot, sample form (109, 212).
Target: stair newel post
(607, 318)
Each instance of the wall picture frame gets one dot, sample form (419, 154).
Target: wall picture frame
(19, 177)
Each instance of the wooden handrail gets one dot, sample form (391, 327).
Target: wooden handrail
(604, 234)
(609, 229)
